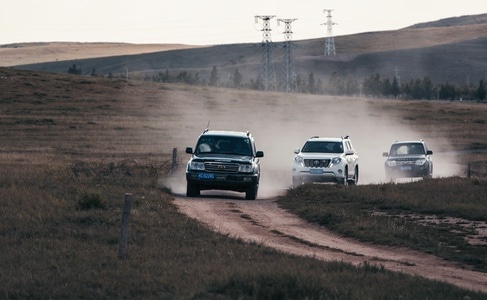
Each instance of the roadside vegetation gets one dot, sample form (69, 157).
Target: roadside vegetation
(72, 146)
(59, 234)
(437, 216)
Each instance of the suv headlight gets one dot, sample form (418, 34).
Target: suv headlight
(299, 160)
(336, 160)
(420, 162)
(391, 163)
(197, 166)
(246, 168)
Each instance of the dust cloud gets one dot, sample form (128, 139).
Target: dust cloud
(282, 122)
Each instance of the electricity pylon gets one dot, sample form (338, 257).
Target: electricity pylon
(267, 75)
(330, 41)
(289, 76)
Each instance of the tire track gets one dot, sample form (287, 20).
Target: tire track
(263, 222)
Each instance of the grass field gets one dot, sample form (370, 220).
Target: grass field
(71, 147)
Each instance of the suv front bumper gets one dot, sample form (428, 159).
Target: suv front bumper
(313, 175)
(222, 181)
(408, 171)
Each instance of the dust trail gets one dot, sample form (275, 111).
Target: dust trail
(282, 122)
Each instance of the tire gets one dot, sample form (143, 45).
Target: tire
(344, 180)
(251, 192)
(354, 181)
(192, 190)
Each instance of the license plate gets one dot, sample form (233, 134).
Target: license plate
(316, 171)
(206, 176)
(407, 168)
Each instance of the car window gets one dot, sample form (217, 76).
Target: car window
(407, 149)
(224, 145)
(322, 147)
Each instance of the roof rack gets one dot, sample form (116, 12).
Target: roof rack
(314, 137)
(345, 137)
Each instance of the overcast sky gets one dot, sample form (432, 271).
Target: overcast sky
(208, 22)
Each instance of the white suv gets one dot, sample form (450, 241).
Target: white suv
(325, 160)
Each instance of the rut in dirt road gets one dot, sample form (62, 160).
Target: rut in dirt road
(263, 222)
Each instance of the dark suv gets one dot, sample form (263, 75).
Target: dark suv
(224, 160)
(408, 159)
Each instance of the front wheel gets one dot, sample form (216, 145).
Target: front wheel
(192, 190)
(344, 180)
(251, 192)
(354, 180)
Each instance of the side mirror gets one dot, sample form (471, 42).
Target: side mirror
(189, 150)
(385, 154)
(296, 151)
(429, 152)
(259, 154)
(349, 152)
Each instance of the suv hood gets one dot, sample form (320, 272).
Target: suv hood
(311, 155)
(223, 158)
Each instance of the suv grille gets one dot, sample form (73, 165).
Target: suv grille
(406, 161)
(221, 167)
(317, 163)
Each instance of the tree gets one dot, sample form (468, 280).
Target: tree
(373, 85)
(481, 91)
(311, 83)
(237, 78)
(395, 87)
(74, 69)
(214, 77)
(447, 92)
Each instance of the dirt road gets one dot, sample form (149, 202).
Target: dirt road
(263, 222)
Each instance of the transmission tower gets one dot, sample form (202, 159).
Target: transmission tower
(330, 41)
(267, 76)
(289, 81)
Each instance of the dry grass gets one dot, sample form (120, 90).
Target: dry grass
(32, 53)
(54, 248)
(392, 214)
(71, 147)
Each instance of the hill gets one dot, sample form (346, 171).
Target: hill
(31, 53)
(454, 21)
(443, 53)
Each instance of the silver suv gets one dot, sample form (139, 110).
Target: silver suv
(407, 159)
(224, 160)
(325, 160)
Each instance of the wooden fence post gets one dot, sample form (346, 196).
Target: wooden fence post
(174, 160)
(124, 232)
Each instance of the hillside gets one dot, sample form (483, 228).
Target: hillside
(454, 21)
(428, 51)
(31, 53)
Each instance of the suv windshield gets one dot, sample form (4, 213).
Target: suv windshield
(223, 145)
(407, 149)
(323, 147)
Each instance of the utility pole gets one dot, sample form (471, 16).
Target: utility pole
(289, 77)
(330, 41)
(267, 74)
